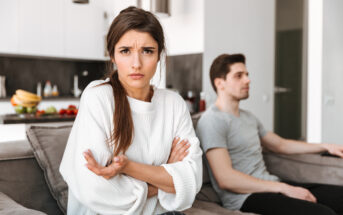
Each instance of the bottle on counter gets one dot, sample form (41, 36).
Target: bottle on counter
(190, 101)
(47, 89)
(55, 91)
(202, 102)
(39, 89)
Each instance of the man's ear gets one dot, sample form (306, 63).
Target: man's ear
(218, 82)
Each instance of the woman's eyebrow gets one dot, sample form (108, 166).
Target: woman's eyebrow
(125, 47)
(148, 47)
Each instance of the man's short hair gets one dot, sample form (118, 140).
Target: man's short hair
(221, 66)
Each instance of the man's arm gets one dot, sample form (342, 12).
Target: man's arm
(236, 181)
(281, 145)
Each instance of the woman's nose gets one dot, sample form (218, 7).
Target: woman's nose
(136, 64)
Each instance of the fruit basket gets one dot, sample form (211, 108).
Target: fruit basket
(25, 102)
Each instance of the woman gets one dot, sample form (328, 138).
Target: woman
(121, 156)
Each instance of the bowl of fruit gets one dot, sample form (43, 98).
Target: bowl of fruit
(25, 102)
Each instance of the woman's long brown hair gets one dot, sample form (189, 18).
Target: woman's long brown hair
(131, 18)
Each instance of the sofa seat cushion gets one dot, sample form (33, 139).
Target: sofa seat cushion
(48, 145)
(10, 207)
(210, 208)
(305, 168)
(15, 150)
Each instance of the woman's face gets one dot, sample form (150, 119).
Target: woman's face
(136, 57)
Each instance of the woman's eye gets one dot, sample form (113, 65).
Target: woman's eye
(148, 51)
(124, 51)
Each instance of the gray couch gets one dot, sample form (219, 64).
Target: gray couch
(31, 184)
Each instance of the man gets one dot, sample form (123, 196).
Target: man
(232, 139)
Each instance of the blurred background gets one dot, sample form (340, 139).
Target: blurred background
(294, 51)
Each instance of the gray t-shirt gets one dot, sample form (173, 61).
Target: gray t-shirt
(241, 136)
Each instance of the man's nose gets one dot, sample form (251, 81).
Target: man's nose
(247, 79)
(136, 61)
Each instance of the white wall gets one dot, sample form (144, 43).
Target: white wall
(332, 72)
(314, 71)
(246, 27)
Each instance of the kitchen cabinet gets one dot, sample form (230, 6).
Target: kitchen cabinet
(41, 27)
(8, 26)
(53, 28)
(84, 30)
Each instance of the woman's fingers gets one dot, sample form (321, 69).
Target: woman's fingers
(106, 172)
(90, 158)
(175, 141)
(179, 150)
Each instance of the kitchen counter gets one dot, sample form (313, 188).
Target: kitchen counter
(59, 98)
(31, 118)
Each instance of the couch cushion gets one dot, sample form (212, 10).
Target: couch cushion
(48, 145)
(10, 207)
(210, 208)
(306, 168)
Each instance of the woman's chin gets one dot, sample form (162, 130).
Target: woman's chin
(137, 84)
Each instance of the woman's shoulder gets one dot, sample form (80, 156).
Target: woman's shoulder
(97, 90)
(169, 95)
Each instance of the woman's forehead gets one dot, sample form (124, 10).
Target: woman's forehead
(137, 39)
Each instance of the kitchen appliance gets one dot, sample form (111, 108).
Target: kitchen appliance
(2, 87)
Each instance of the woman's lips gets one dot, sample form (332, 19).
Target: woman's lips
(136, 76)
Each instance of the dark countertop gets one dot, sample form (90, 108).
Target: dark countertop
(31, 118)
(59, 98)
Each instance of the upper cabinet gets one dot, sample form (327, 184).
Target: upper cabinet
(9, 26)
(84, 30)
(53, 28)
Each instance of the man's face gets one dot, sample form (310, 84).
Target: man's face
(236, 84)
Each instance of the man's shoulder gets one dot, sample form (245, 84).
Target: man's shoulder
(212, 117)
(247, 113)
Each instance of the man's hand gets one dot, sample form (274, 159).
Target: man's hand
(179, 150)
(109, 171)
(333, 149)
(297, 193)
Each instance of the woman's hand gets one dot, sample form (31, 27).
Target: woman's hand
(334, 149)
(152, 190)
(108, 171)
(179, 150)
(178, 153)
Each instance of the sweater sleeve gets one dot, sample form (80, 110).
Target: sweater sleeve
(118, 195)
(187, 174)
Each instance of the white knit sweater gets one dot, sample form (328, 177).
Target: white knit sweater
(156, 123)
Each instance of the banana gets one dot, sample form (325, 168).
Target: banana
(20, 102)
(27, 97)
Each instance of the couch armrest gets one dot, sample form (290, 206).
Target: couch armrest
(305, 168)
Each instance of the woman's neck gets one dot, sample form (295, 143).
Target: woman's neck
(143, 94)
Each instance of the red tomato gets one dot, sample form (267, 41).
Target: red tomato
(69, 112)
(62, 111)
(71, 107)
(75, 111)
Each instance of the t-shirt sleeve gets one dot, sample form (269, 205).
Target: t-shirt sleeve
(261, 130)
(118, 195)
(212, 132)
